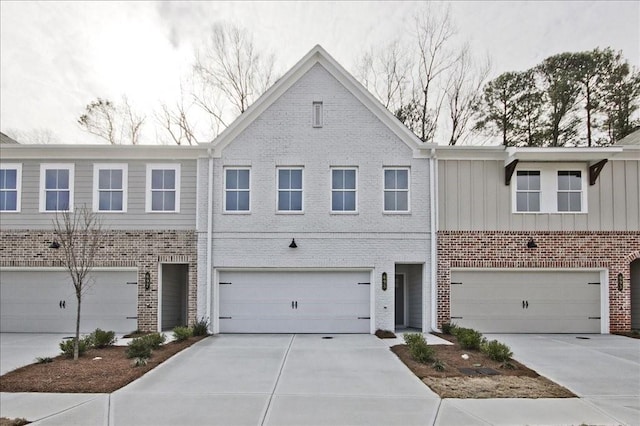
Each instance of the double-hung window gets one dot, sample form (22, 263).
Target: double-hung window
(569, 191)
(396, 190)
(10, 187)
(56, 187)
(290, 190)
(343, 190)
(163, 188)
(110, 187)
(237, 190)
(528, 191)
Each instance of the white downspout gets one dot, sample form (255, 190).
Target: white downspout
(433, 194)
(209, 237)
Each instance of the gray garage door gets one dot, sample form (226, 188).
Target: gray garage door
(295, 302)
(526, 301)
(43, 301)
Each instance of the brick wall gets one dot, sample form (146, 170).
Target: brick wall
(473, 249)
(145, 250)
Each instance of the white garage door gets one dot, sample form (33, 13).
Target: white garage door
(295, 302)
(526, 301)
(44, 302)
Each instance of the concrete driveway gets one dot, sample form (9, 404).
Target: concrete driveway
(19, 349)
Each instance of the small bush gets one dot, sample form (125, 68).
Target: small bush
(201, 327)
(508, 365)
(102, 339)
(496, 351)
(468, 338)
(418, 348)
(46, 359)
(385, 334)
(182, 333)
(411, 338)
(139, 362)
(448, 328)
(66, 346)
(438, 365)
(154, 340)
(138, 348)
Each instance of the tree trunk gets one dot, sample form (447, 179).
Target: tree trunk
(76, 343)
(588, 116)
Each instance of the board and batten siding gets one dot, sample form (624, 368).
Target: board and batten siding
(30, 216)
(473, 197)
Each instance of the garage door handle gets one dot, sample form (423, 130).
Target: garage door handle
(525, 304)
(292, 304)
(296, 304)
(63, 304)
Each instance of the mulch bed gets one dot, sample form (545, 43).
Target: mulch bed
(87, 375)
(518, 381)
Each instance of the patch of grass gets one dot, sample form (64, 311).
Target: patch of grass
(140, 362)
(438, 365)
(182, 333)
(448, 328)
(44, 360)
(201, 327)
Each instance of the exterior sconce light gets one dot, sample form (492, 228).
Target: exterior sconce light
(293, 243)
(532, 244)
(620, 281)
(54, 245)
(384, 281)
(147, 280)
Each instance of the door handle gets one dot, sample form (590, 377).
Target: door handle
(60, 304)
(296, 304)
(526, 304)
(523, 304)
(292, 304)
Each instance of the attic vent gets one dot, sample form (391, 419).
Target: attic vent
(317, 114)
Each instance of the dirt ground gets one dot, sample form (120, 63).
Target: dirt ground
(516, 382)
(87, 375)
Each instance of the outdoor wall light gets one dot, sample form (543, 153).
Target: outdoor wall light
(620, 281)
(147, 280)
(54, 245)
(293, 243)
(384, 281)
(532, 244)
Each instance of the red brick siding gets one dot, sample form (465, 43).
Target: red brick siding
(476, 249)
(144, 250)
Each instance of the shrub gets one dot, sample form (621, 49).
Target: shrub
(102, 339)
(66, 346)
(496, 351)
(45, 359)
(138, 348)
(418, 348)
(154, 340)
(201, 327)
(468, 338)
(438, 365)
(411, 338)
(182, 333)
(448, 328)
(385, 334)
(139, 362)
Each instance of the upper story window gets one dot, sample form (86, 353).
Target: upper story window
(528, 191)
(237, 190)
(343, 189)
(550, 188)
(10, 187)
(163, 188)
(290, 190)
(110, 187)
(396, 190)
(56, 187)
(317, 114)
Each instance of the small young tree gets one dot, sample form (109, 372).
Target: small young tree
(79, 233)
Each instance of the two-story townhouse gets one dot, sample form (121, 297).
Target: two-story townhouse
(539, 239)
(145, 276)
(318, 216)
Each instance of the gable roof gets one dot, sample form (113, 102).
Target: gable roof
(317, 55)
(4, 139)
(632, 138)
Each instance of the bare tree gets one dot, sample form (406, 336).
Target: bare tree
(230, 72)
(463, 92)
(79, 234)
(112, 122)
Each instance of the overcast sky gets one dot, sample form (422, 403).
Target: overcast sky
(56, 57)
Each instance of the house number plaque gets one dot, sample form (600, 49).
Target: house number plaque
(384, 281)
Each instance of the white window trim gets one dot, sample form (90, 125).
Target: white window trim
(527, 191)
(224, 190)
(162, 166)
(56, 166)
(317, 105)
(408, 211)
(18, 168)
(331, 190)
(96, 180)
(302, 190)
(549, 186)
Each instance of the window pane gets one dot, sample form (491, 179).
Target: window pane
(522, 181)
(243, 179)
(563, 201)
(296, 179)
(116, 200)
(284, 179)
(575, 181)
(3, 178)
(116, 179)
(296, 201)
(63, 200)
(104, 179)
(51, 201)
(283, 200)
(169, 179)
(51, 179)
(104, 201)
(402, 200)
(350, 201)
(389, 179)
(337, 201)
(337, 179)
(349, 179)
(575, 201)
(169, 201)
(534, 202)
(231, 181)
(243, 201)
(232, 200)
(522, 202)
(534, 181)
(8, 200)
(8, 179)
(156, 179)
(156, 200)
(389, 200)
(402, 179)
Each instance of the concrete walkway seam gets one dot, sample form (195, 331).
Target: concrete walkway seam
(275, 386)
(68, 409)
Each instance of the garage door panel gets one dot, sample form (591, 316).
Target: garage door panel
(554, 301)
(294, 302)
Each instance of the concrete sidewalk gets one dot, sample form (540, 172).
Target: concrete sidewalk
(308, 380)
